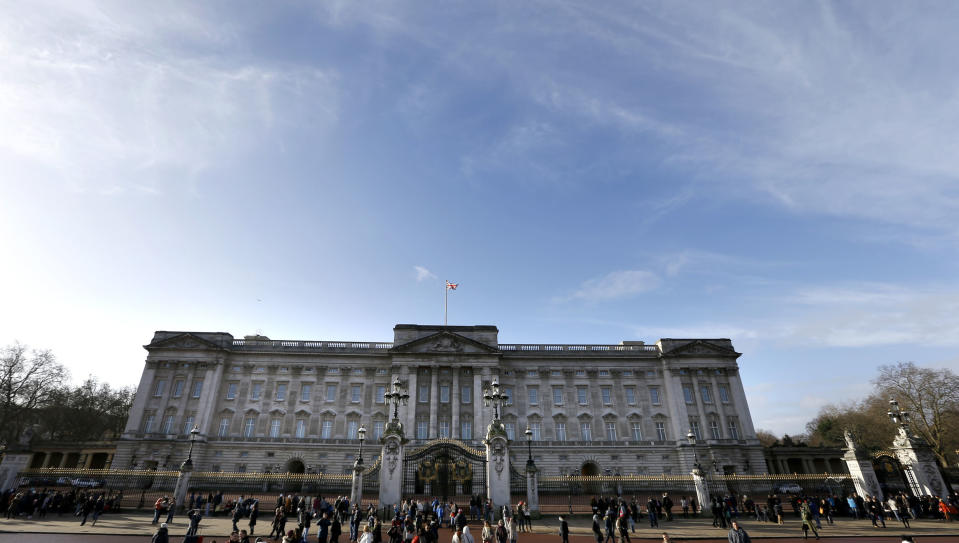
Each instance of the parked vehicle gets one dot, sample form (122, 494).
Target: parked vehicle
(87, 483)
(788, 488)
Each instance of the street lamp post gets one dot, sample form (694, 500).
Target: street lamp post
(529, 447)
(898, 416)
(193, 433)
(691, 438)
(396, 396)
(493, 396)
(362, 434)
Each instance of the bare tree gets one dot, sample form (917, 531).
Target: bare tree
(28, 378)
(932, 396)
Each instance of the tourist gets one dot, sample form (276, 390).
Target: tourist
(457, 536)
(684, 503)
(501, 534)
(622, 528)
(597, 529)
(467, 536)
(512, 525)
(161, 535)
(367, 536)
(737, 534)
(194, 516)
(805, 514)
(487, 534)
(254, 513)
(563, 530)
(171, 508)
(157, 509)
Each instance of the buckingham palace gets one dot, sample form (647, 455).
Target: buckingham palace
(264, 405)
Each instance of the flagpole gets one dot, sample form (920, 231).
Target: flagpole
(446, 303)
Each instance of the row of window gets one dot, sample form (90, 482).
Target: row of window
(178, 387)
(606, 395)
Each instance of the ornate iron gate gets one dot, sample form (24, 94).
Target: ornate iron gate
(445, 468)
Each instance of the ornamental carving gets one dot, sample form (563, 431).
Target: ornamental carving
(447, 343)
(392, 453)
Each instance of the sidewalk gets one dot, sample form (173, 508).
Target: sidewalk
(138, 524)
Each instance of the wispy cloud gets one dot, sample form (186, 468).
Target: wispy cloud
(616, 285)
(422, 274)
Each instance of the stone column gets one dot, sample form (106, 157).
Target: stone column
(455, 404)
(919, 463)
(144, 391)
(356, 489)
(211, 393)
(477, 398)
(414, 393)
(860, 469)
(740, 404)
(675, 404)
(434, 400)
(391, 465)
(182, 484)
(723, 422)
(532, 490)
(497, 464)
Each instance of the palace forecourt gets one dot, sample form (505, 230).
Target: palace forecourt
(263, 405)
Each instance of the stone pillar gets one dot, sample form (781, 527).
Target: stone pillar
(497, 464)
(144, 391)
(109, 462)
(919, 463)
(477, 398)
(356, 490)
(11, 466)
(414, 392)
(391, 465)
(860, 469)
(702, 489)
(532, 489)
(455, 404)
(182, 484)
(434, 400)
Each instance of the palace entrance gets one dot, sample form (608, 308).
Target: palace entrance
(445, 468)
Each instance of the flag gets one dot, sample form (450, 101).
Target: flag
(451, 286)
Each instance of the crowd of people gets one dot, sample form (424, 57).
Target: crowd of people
(30, 503)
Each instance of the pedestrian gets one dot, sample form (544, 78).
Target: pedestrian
(171, 508)
(85, 509)
(157, 509)
(237, 516)
(161, 535)
(194, 516)
(623, 529)
(564, 529)
(502, 535)
(597, 530)
(254, 513)
(467, 536)
(806, 515)
(512, 525)
(737, 534)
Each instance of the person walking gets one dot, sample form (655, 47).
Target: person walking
(512, 525)
(158, 509)
(564, 530)
(171, 508)
(807, 524)
(161, 535)
(254, 513)
(737, 534)
(194, 516)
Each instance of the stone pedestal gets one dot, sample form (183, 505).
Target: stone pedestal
(356, 489)
(13, 463)
(702, 489)
(919, 464)
(532, 489)
(391, 465)
(182, 484)
(497, 464)
(860, 469)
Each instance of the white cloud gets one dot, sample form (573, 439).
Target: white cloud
(422, 274)
(616, 285)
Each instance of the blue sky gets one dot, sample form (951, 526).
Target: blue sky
(779, 173)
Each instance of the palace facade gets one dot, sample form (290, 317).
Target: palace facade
(264, 405)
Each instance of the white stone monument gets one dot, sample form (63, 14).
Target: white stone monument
(497, 464)
(860, 469)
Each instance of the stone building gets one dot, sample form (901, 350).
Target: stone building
(267, 405)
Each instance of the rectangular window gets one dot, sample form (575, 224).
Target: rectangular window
(586, 431)
(508, 392)
(188, 425)
(444, 429)
(533, 394)
(300, 428)
(707, 395)
(694, 426)
(532, 373)
(637, 431)
(422, 429)
(661, 431)
(380, 394)
(580, 373)
(557, 396)
(581, 397)
(607, 394)
(326, 429)
(424, 396)
(604, 373)
(159, 388)
(231, 391)
(333, 371)
(733, 430)
(168, 425)
(688, 393)
(224, 428)
(627, 373)
(511, 431)
(275, 428)
(537, 429)
(177, 389)
(148, 424)
(466, 394)
(724, 393)
(630, 395)
(556, 373)
(560, 431)
(466, 430)
(355, 393)
(197, 388)
(357, 371)
(654, 395)
(378, 429)
(330, 392)
(249, 426)
(714, 430)
(306, 390)
(256, 391)
(444, 394)
(351, 427)
(611, 431)
(280, 392)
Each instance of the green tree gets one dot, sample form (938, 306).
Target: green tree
(28, 382)
(87, 412)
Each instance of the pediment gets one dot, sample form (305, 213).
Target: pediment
(700, 347)
(445, 342)
(186, 340)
